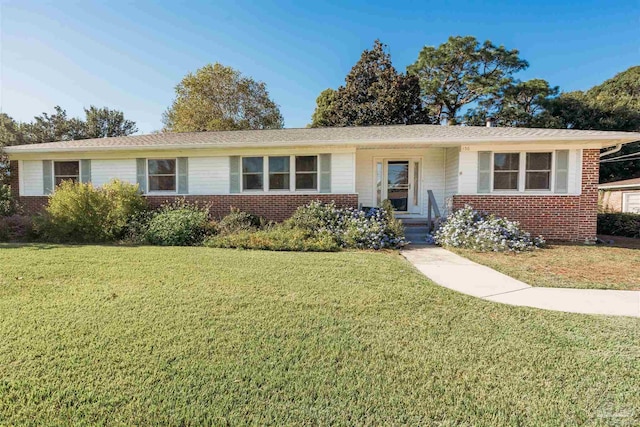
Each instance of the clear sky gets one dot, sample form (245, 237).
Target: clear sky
(130, 55)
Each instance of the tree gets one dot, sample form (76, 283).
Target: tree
(517, 105)
(103, 122)
(217, 97)
(612, 105)
(374, 94)
(463, 71)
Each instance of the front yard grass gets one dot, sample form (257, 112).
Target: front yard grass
(571, 266)
(196, 336)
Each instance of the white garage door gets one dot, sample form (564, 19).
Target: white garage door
(631, 202)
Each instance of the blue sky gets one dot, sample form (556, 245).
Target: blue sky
(130, 55)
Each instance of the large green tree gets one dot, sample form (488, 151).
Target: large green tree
(374, 94)
(518, 105)
(217, 97)
(461, 72)
(612, 105)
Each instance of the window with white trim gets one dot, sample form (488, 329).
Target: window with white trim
(66, 171)
(279, 173)
(306, 172)
(161, 174)
(538, 171)
(506, 168)
(253, 173)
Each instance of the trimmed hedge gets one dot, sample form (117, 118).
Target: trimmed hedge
(619, 224)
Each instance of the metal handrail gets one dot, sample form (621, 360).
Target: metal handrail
(432, 205)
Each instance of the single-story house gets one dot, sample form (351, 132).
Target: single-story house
(545, 178)
(620, 196)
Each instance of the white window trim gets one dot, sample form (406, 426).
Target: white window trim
(267, 182)
(176, 176)
(292, 175)
(53, 170)
(522, 173)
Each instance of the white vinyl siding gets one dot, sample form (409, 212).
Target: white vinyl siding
(342, 173)
(208, 175)
(104, 171)
(468, 172)
(31, 183)
(452, 159)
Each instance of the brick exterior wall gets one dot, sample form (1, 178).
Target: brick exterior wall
(566, 218)
(274, 207)
(14, 178)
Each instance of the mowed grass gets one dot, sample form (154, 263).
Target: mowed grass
(195, 336)
(570, 266)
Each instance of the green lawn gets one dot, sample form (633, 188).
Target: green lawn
(196, 336)
(570, 266)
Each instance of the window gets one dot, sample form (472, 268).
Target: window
(538, 171)
(66, 171)
(162, 174)
(279, 173)
(306, 172)
(506, 167)
(252, 173)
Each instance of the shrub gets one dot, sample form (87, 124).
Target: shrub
(375, 228)
(178, 224)
(619, 224)
(17, 228)
(276, 238)
(470, 229)
(7, 203)
(238, 221)
(82, 213)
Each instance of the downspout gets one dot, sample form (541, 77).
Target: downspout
(612, 151)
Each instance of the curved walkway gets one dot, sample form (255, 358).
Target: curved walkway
(455, 272)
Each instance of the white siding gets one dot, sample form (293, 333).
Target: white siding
(451, 162)
(31, 182)
(432, 173)
(103, 171)
(468, 178)
(342, 174)
(468, 174)
(208, 175)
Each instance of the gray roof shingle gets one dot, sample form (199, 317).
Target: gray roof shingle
(331, 136)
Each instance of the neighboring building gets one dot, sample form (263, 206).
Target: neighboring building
(620, 196)
(545, 178)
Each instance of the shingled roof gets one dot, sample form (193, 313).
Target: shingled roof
(356, 136)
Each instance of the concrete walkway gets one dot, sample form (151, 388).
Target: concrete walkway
(460, 274)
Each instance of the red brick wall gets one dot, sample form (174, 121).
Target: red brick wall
(14, 178)
(572, 218)
(274, 207)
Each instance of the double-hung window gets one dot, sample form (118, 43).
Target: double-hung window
(252, 173)
(506, 168)
(162, 174)
(306, 172)
(66, 171)
(279, 175)
(538, 171)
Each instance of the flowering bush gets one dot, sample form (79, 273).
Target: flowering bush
(470, 229)
(375, 228)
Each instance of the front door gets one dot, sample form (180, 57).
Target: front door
(403, 185)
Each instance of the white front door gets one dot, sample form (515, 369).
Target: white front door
(400, 184)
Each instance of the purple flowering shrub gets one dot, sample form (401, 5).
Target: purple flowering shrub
(374, 228)
(471, 229)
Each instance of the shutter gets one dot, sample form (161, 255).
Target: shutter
(47, 177)
(183, 175)
(234, 174)
(85, 171)
(325, 173)
(562, 171)
(141, 175)
(484, 171)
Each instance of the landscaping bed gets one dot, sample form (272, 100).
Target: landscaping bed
(97, 335)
